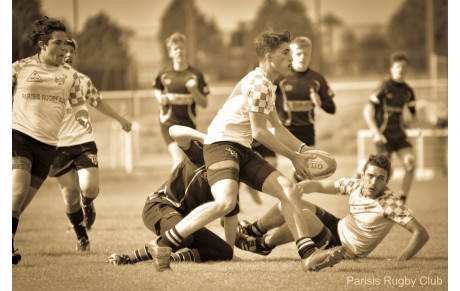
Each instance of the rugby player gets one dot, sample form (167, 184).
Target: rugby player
(178, 88)
(75, 165)
(42, 85)
(229, 158)
(186, 188)
(300, 92)
(374, 209)
(383, 115)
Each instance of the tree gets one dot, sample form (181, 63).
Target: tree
(25, 12)
(204, 38)
(407, 30)
(374, 52)
(103, 52)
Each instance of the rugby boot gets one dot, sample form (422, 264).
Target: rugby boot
(321, 259)
(161, 255)
(116, 259)
(82, 244)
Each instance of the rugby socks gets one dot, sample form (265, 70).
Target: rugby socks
(171, 238)
(256, 229)
(322, 238)
(86, 200)
(186, 255)
(305, 247)
(14, 228)
(139, 255)
(76, 219)
(263, 244)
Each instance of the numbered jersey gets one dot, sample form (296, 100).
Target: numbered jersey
(187, 187)
(40, 94)
(293, 102)
(71, 132)
(181, 108)
(370, 219)
(389, 100)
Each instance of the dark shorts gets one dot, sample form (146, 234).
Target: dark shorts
(165, 131)
(262, 150)
(304, 133)
(335, 238)
(39, 154)
(394, 144)
(253, 170)
(77, 157)
(159, 217)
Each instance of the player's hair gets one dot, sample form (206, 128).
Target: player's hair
(72, 43)
(380, 161)
(268, 41)
(399, 56)
(175, 38)
(302, 41)
(43, 28)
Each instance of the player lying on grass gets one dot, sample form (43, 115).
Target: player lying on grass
(374, 209)
(186, 188)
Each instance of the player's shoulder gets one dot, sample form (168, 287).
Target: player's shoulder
(316, 74)
(194, 70)
(388, 198)
(19, 64)
(257, 76)
(70, 69)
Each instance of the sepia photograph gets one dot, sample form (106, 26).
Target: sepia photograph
(230, 145)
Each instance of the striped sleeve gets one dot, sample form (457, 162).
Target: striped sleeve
(259, 95)
(394, 209)
(346, 186)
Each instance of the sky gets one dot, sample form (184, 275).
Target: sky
(143, 15)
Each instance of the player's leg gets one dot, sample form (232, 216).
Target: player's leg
(208, 247)
(21, 184)
(407, 157)
(70, 190)
(88, 179)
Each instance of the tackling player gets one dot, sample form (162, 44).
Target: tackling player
(42, 85)
(75, 165)
(229, 158)
(374, 209)
(383, 115)
(178, 89)
(186, 189)
(299, 92)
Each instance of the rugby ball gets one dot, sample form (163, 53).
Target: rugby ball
(322, 166)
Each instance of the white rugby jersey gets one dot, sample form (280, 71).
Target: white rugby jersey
(40, 94)
(254, 93)
(71, 132)
(370, 219)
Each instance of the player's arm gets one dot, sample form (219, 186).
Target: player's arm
(161, 98)
(324, 186)
(368, 114)
(103, 107)
(419, 238)
(183, 135)
(327, 101)
(230, 229)
(192, 87)
(261, 133)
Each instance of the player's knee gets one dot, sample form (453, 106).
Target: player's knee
(224, 207)
(409, 163)
(90, 191)
(293, 193)
(227, 253)
(71, 195)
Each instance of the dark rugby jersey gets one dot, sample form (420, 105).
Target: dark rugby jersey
(181, 108)
(293, 103)
(389, 100)
(187, 187)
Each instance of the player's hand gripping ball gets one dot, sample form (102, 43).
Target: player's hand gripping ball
(322, 166)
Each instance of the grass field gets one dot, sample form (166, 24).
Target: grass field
(51, 263)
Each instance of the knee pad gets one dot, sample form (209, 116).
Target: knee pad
(409, 163)
(215, 175)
